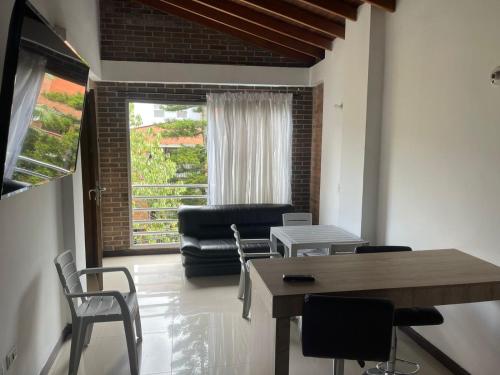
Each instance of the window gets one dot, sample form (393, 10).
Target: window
(182, 114)
(168, 168)
(158, 111)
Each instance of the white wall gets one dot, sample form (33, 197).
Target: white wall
(330, 72)
(440, 180)
(36, 225)
(80, 19)
(352, 76)
(421, 118)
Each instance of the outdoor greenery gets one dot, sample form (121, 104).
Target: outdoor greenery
(75, 101)
(152, 165)
(51, 138)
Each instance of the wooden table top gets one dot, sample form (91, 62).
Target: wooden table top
(416, 278)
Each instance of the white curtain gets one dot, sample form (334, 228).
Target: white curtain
(249, 145)
(29, 78)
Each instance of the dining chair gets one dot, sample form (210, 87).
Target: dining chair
(302, 218)
(339, 328)
(403, 317)
(88, 308)
(244, 290)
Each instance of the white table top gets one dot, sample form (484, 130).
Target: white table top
(314, 235)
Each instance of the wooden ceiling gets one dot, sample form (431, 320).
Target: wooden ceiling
(300, 29)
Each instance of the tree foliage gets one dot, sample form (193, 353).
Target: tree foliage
(75, 100)
(135, 119)
(52, 138)
(184, 128)
(152, 165)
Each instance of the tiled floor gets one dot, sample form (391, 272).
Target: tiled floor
(193, 326)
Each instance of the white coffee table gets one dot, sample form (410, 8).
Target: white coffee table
(295, 238)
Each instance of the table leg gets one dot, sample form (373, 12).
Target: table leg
(270, 345)
(332, 250)
(338, 367)
(293, 251)
(274, 243)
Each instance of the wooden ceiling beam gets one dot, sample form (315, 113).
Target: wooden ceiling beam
(335, 7)
(272, 46)
(271, 23)
(202, 10)
(299, 16)
(388, 5)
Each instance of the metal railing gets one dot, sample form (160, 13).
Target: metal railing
(40, 164)
(154, 211)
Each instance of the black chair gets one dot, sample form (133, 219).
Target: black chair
(403, 317)
(339, 328)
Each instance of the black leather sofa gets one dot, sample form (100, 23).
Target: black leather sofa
(207, 242)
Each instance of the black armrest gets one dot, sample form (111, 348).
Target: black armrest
(188, 242)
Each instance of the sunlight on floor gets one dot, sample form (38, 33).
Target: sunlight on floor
(193, 326)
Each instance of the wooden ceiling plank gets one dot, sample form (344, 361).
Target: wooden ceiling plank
(202, 10)
(165, 7)
(270, 22)
(336, 7)
(388, 5)
(299, 15)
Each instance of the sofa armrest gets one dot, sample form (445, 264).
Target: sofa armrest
(188, 242)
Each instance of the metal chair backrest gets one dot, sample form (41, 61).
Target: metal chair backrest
(347, 328)
(237, 239)
(381, 249)
(297, 218)
(69, 277)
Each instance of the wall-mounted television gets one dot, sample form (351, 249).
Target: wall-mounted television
(41, 103)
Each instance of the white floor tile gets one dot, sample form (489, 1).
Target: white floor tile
(194, 326)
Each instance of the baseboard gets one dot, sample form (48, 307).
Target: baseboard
(434, 351)
(132, 252)
(65, 335)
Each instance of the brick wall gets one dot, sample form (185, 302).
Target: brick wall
(131, 31)
(112, 101)
(317, 129)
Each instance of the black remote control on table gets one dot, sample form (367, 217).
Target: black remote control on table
(297, 278)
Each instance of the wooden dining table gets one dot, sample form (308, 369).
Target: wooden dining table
(409, 279)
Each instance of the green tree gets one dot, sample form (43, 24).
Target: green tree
(181, 166)
(75, 100)
(135, 119)
(150, 166)
(191, 161)
(53, 141)
(180, 107)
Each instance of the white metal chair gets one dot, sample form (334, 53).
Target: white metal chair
(245, 287)
(302, 218)
(97, 307)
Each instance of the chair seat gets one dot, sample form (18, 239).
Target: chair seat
(417, 316)
(106, 308)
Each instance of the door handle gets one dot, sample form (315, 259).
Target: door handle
(97, 193)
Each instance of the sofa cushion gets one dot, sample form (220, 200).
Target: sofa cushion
(217, 248)
(213, 222)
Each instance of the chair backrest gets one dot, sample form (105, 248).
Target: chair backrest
(69, 276)
(297, 218)
(237, 239)
(347, 328)
(381, 249)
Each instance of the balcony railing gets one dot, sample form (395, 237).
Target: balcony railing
(154, 211)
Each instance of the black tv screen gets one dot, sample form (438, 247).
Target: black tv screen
(44, 97)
